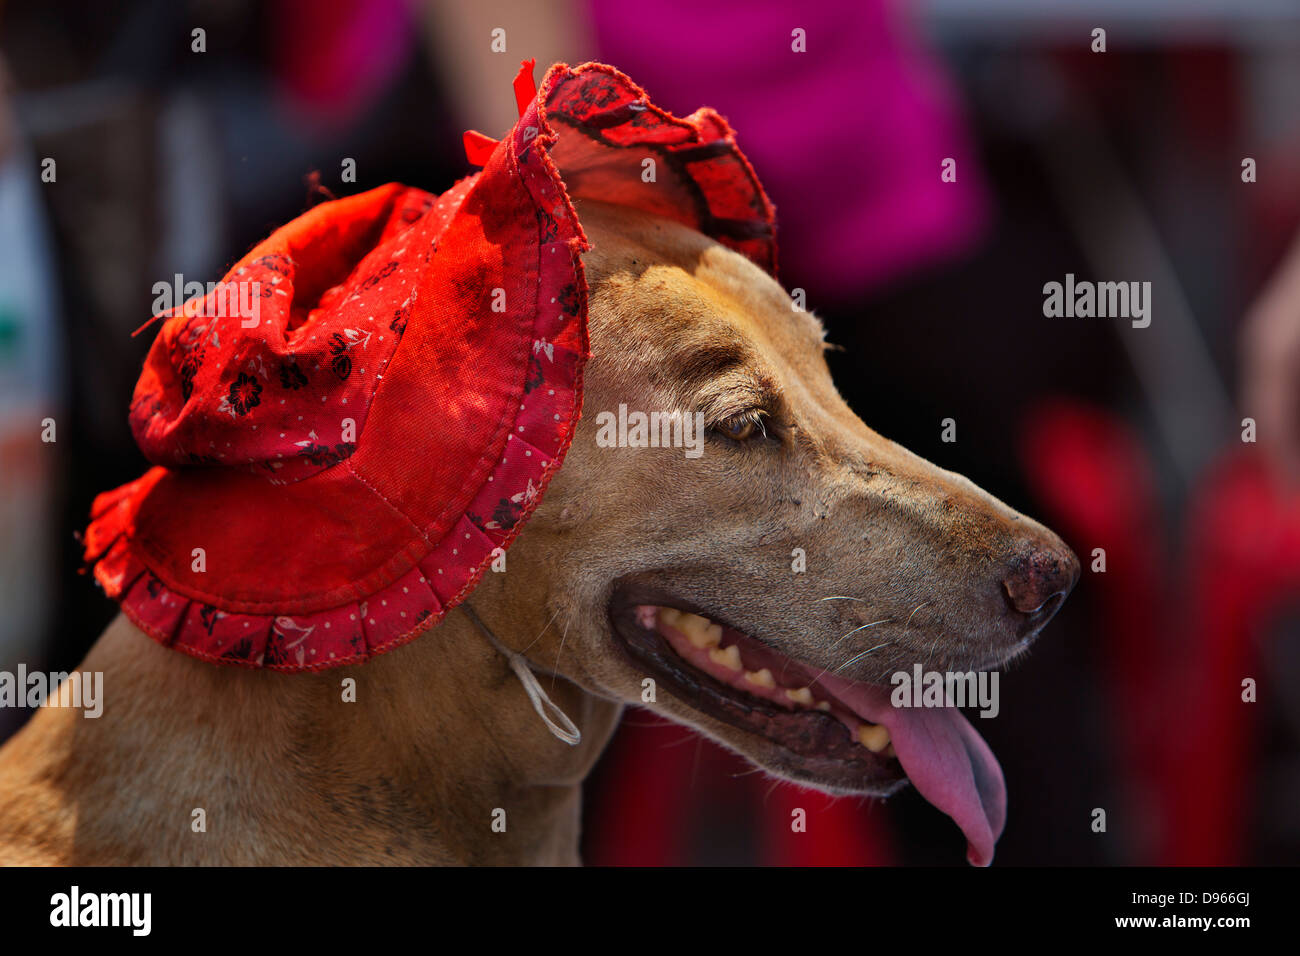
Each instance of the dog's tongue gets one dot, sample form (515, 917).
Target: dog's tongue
(945, 758)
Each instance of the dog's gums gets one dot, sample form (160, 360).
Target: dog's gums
(746, 665)
(837, 733)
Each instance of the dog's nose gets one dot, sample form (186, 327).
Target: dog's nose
(1038, 579)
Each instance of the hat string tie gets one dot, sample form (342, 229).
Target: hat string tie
(479, 146)
(559, 724)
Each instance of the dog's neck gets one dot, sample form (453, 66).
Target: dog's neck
(440, 758)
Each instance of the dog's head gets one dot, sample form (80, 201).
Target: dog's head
(771, 580)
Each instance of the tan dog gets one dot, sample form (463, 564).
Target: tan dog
(905, 564)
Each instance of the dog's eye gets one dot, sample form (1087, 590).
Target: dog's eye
(741, 427)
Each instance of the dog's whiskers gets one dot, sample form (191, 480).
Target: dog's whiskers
(883, 620)
(930, 656)
(857, 657)
(913, 614)
(556, 671)
(542, 631)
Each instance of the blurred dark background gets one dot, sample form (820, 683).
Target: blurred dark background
(1119, 165)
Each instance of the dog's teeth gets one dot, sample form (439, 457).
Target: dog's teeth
(823, 705)
(801, 696)
(688, 620)
(875, 737)
(726, 656)
(711, 636)
(761, 678)
(669, 615)
(700, 630)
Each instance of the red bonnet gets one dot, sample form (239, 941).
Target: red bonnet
(337, 459)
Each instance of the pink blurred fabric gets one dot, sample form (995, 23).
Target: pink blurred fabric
(848, 137)
(334, 58)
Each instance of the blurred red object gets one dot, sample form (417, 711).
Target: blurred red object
(1178, 636)
(662, 783)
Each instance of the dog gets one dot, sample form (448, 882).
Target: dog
(441, 759)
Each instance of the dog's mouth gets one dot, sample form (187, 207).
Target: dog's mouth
(832, 733)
